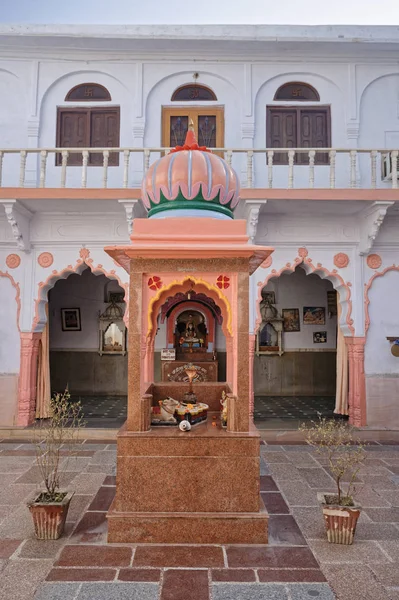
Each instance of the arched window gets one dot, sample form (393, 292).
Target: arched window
(296, 91)
(88, 126)
(193, 92)
(88, 92)
(296, 126)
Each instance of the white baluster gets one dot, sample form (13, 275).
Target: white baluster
(353, 157)
(373, 156)
(64, 163)
(22, 166)
(229, 157)
(394, 159)
(146, 160)
(250, 158)
(43, 164)
(85, 160)
(333, 155)
(1, 167)
(291, 155)
(105, 167)
(312, 154)
(126, 158)
(270, 155)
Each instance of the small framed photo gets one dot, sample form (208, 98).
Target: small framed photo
(320, 337)
(332, 303)
(70, 319)
(314, 315)
(269, 296)
(291, 320)
(116, 297)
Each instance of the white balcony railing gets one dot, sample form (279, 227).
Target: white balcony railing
(344, 168)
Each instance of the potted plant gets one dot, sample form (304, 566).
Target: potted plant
(336, 441)
(54, 439)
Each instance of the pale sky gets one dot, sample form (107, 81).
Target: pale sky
(300, 12)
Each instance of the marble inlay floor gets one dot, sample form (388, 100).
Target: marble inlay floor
(298, 563)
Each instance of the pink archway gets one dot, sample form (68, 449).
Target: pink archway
(30, 341)
(357, 384)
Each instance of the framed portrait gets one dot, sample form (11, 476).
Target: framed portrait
(116, 297)
(314, 315)
(320, 337)
(291, 320)
(269, 296)
(70, 319)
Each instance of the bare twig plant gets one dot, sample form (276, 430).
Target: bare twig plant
(54, 440)
(336, 440)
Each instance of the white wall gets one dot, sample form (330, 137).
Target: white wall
(9, 337)
(296, 291)
(384, 322)
(86, 292)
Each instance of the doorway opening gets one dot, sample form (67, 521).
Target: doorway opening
(208, 125)
(87, 346)
(295, 381)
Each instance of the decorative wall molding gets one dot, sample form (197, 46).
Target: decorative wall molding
(374, 261)
(371, 219)
(130, 207)
(248, 130)
(45, 259)
(13, 261)
(252, 212)
(341, 260)
(18, 218)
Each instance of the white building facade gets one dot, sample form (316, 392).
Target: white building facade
(267, 98)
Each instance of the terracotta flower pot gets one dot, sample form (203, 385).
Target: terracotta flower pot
(49, 518)
(340, 521)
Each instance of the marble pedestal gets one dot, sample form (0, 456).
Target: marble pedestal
(196, 487)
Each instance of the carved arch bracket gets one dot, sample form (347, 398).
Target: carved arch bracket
(252, 213)
(18, 218)
(372, 217)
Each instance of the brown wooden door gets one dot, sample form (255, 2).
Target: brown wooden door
(208, 125)
(104, 133)
(314, 133)
(72, 132)
(282, 131)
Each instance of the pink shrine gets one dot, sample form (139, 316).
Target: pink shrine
(200, 485)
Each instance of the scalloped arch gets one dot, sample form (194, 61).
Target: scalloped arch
(44, 287)
(293, 76)
(346, 322)
(366, 293)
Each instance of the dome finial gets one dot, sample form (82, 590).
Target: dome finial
(191, 138)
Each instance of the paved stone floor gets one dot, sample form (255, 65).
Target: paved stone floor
(297, 564)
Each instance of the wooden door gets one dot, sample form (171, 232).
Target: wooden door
(281, 131)
(208, 125)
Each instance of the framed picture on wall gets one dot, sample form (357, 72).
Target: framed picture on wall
(314, 315)
(70, 319)
(332, 303)
(116, 297)
(291, 320)
(320, 337)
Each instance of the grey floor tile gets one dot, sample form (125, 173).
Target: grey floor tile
(249, 591)
(308, 591)
(20, 578)
(57, 591)
(119, 591)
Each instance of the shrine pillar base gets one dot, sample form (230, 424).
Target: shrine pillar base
(196, 488)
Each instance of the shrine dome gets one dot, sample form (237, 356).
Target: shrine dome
(190, 181)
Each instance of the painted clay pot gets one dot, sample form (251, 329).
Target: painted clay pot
(49, 518)
(340, 521)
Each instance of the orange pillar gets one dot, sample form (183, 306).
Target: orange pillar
(357, 381)
(28, 378)
(252, 338)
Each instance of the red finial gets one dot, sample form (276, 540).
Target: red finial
(190, 142)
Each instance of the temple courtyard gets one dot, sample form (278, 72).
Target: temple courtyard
(297, 564)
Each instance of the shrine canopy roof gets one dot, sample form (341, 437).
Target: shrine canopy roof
(194, 239)
(191, 181)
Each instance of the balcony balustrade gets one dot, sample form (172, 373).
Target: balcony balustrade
(339, 168)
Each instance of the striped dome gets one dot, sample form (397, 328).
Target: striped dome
(191, 177)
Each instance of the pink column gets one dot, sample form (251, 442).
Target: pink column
(252, 338)
(357, 381)
(28, 378)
